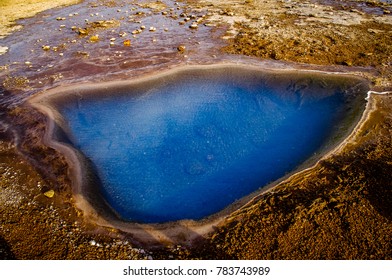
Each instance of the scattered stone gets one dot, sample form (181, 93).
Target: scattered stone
(375, 31)
(193, 25)
(112, 39)
(3, 50)
(94, 38)
(83, 53)
(92, 242)
(60, 18)
(82, 31)
(102, 23)
(46, 48)
(127, 43)
(28, 63)
(152, 29)
(181, 48)
(122, 34)
(49, 193)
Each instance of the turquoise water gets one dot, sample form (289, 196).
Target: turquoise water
(187, 149)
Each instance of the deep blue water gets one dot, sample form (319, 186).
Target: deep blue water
(186, 150)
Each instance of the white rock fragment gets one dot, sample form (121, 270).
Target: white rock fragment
(3, 50)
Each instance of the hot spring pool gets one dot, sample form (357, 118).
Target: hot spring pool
(187, 144)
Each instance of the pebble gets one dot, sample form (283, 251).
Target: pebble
(28, 63)
(181, 48)
(46, 48)
(193, 25)
(3, 50)
(49, 193)
(94, 38)
(152, 29)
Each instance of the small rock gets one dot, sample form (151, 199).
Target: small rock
(375, 31)
(127, 43)
(46, 48)
(152, 29)
(92, 242)
(28, 63)
(49, 193)
(193, 25)
(82, 31)
(181, 48)
(3, 50)
(94, 38)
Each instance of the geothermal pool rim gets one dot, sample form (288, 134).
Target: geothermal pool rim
(183, 231)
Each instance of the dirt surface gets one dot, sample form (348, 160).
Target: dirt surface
(350, 33)
(340, 209)
(11, 10)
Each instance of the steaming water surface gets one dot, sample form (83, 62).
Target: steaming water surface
(187, 148)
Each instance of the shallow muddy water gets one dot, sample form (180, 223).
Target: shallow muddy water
(88, 41)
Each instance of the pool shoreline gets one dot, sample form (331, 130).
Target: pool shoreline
(179, 232)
